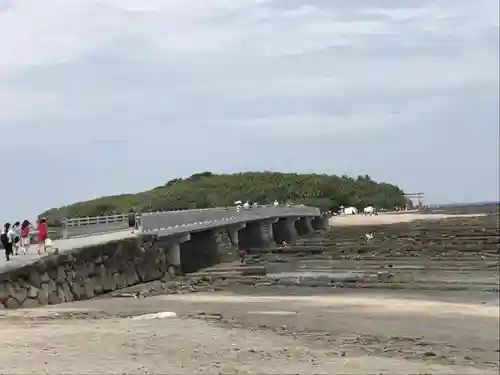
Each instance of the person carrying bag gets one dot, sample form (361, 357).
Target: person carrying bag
(42, 236)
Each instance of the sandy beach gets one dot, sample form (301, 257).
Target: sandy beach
(389, 218)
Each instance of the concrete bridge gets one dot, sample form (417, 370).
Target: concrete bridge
(100, 255)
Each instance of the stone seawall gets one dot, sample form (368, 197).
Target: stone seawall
(82, 273)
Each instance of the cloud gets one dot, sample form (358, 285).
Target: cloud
(309, 126)
(21, 105)
(89, 80)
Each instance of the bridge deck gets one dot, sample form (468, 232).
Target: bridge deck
(21, 260)
(169, 230)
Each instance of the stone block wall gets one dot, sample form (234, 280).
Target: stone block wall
(83, 273)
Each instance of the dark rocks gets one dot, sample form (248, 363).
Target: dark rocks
(43, 295)
(78, 291)
(96, 282)
(130, 275)
(19, 293)
(12, 303)
(67, 293)
(101, 271)
(60, 293)
(119, 280)
(108, 284)
(451, 238)
(32, 292)
(55, 298)
(35, 278)
(61, 275)
(44, 277)
(4, 293)
(89, 289)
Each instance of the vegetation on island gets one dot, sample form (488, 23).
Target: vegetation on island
(205, 190)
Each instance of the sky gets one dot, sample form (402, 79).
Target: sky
(118, 96)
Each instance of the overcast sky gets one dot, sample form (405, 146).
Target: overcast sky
(113, 96)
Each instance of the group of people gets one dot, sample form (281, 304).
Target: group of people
(18, 236)
(247, 205)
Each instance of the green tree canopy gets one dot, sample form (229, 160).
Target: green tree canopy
(205, 190)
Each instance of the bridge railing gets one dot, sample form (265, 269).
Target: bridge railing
(193, 218)
(84, 226)
(96, 220)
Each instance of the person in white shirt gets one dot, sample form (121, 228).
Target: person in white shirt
(238, 206)
(246, 205)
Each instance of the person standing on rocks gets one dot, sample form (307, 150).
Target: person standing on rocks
(6, 239)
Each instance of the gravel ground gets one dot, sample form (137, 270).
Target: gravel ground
(251, 332)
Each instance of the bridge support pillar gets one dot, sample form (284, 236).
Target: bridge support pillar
(255, 234)
(267, 229)
(200, 252)
(174, 254)
(233, 233)
(174, 258)
(284, 230)
(228, 239)
(304, 226)
(320, 223)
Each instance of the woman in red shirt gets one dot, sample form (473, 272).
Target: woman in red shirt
(42, 235)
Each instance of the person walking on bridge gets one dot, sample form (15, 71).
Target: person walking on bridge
(42, 235)
(25, 236)
(132, 224)
(6, 239)
(16, 237)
